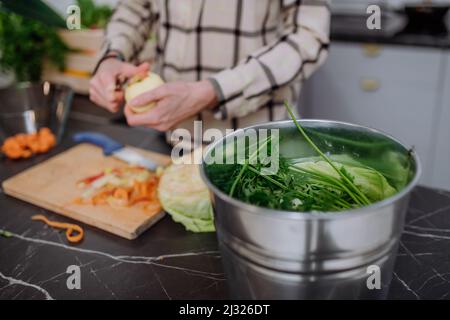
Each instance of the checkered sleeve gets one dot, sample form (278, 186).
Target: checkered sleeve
(129, 28)
(299, 50)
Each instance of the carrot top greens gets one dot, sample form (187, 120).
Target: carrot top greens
(322, 183)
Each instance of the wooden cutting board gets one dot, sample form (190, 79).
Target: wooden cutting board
(52, 185)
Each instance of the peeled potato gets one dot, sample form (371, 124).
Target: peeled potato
(140, 85)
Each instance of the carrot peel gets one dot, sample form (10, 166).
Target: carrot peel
(74, 233)
(25, 145)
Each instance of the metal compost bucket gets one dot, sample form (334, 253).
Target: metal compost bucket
(275, 254)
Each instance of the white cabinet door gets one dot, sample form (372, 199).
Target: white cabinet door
(441, 166)
(394, 90)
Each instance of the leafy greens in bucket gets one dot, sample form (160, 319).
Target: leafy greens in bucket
(323, 183)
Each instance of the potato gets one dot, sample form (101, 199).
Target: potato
(138, 85)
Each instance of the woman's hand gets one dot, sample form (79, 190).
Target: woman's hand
(103, 86)
(175, 102)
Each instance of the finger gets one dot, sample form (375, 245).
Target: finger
(107, 86)
(128, 70)
(95, 91)
(116, 96)
(150, 118)
(110, 101)
(94, 83)
(96, 97)
(119, 96)
(127, 111)
(163, 127)
(150, 96)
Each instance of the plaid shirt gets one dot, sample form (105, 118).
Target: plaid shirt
(255, 52)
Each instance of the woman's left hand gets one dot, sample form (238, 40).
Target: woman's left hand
(175, 102)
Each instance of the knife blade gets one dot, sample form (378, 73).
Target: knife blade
(113, 148)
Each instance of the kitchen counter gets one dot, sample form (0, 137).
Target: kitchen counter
(167, 262)
(353, 29)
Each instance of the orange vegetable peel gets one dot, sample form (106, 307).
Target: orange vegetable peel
(25, 145)
(74, 233)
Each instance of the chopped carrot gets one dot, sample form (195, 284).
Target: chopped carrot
(100, 198)
(142, 193)
(92, 178)
(121, 193)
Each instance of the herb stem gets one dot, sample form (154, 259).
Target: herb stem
(239, 176)
(362, 196)
(245, 166)
(282, 186)
(275, 182)
(334, 181)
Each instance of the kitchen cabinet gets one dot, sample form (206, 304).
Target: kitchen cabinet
(441, 167)
(395, 89)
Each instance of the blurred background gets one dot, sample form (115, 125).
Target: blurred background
(396, 79)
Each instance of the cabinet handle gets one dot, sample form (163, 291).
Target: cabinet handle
(371, 50)
(370, 85)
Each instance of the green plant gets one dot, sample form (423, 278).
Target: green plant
(24, 43)
(92, 15)
(34, 9)
(28, 35)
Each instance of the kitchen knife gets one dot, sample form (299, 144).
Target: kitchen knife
(116, 149)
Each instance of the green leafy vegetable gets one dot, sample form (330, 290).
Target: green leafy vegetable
(353, 191)
(369, 181)
(323, 183)
(184, 196)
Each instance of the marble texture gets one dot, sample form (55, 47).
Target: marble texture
(422, 268)
(167, 262)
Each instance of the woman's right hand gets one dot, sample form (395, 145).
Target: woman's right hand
(103, 89)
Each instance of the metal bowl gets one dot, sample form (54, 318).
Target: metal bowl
(281, 254)
(25, 107)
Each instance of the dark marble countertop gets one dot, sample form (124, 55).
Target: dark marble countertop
(167, 262)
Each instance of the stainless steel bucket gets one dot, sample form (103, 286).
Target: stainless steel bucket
(274, 254)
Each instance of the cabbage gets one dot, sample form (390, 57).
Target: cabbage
(185, 197)
(371, 182)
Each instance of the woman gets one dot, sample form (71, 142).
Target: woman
(229, 63)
